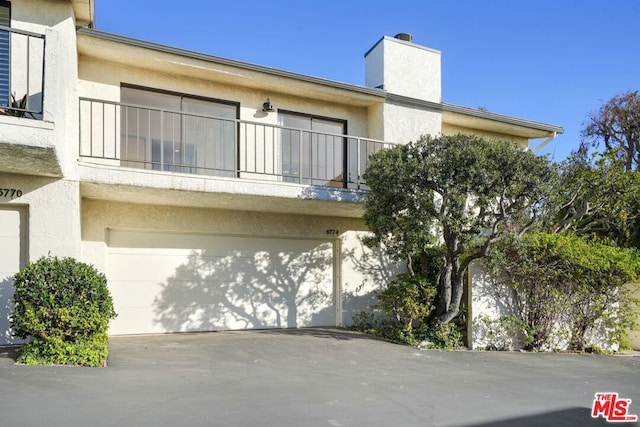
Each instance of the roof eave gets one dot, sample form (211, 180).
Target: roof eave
(502, 118)
(231, 62)
(540, 129)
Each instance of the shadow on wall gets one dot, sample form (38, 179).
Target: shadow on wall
(490, 295)
(258, 289)
(6, 307)
(489, 302)
(374, 270)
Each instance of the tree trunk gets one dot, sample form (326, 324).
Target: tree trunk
(444, 289)
(449, 309)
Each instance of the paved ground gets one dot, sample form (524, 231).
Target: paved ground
(311, 378)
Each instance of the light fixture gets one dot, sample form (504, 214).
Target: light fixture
(267, 107)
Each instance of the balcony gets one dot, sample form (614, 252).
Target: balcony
(27, 142)
(134, 136)
(21, 73)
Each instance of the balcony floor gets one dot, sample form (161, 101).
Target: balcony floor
(173, 189)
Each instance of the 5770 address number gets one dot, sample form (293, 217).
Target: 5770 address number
(10, 193)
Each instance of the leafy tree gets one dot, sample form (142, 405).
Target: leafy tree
(596, 198)
(617, 125)
(548, 281)
(458, 192)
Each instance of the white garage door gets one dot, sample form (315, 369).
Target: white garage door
(12, 257)
(166, 282)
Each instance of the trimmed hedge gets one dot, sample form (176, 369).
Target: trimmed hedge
(65, 305)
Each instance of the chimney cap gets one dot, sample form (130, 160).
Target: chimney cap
(407, 37)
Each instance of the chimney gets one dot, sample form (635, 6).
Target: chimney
(401, 67)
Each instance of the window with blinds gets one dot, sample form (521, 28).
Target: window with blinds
(5, 21)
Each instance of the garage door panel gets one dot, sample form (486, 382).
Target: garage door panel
(145, 266)
(218, 283)
(10, 259)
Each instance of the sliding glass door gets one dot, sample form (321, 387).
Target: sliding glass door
(312, 149)
(178, 133)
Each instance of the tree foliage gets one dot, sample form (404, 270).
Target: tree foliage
(548, 280)
(616, 125)
(458, 192)
(596, 198)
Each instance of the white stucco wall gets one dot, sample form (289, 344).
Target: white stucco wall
(53, 213)
(404, 124)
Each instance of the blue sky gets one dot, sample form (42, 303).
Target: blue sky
(552, 61)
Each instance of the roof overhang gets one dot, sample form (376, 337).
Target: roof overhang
(472, 118)
(84, 12)
(490, 122)
(165, 59)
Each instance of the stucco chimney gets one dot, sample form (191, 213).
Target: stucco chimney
(399, 66)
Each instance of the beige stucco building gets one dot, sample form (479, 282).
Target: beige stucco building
(214, 194)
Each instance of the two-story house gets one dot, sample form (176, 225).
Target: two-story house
(214, 194)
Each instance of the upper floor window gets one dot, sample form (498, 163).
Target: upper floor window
(177, 132)
(5, 21)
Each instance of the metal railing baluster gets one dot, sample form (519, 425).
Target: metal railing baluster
(321, 157)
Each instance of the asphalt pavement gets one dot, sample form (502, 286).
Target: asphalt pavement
(311, 377)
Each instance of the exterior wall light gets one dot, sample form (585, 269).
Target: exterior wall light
(267, 107)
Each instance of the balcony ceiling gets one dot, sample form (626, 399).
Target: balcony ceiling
(29, 160)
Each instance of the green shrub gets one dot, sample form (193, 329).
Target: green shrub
(65, 306)
(432, 336)
(83, 351)
(408, 300)
(551, 282)
(363, 321)
(407, 306)
(439, 336)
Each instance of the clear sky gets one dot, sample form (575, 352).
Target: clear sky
(552, 61)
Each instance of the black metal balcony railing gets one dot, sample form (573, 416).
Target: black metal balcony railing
(163, 140)
(21, 73)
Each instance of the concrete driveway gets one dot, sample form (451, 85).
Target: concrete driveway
(311, 377)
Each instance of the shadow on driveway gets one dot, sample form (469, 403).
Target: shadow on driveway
(565, 417)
